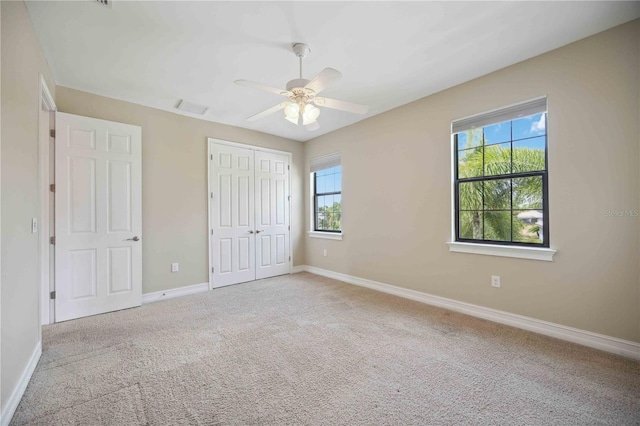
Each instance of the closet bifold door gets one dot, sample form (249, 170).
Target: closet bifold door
(232, 214)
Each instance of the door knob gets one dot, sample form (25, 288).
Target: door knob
(258, 231)
(251, 231)
(133, 239)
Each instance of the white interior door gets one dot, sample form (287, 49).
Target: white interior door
(98, 216)
(232, 215)
(249, 214)
(272, 214)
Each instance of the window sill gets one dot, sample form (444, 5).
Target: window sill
(533, 253)
(325, 235)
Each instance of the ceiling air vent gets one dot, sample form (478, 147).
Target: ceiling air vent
(192, 108)
(105, 3)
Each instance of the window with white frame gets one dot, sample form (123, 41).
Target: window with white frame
(500, 176)
(326, 180)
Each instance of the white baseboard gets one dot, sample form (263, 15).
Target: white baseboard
(174, 292)
(191, 289)
(18, 391)
(298, 269)
(598, 341)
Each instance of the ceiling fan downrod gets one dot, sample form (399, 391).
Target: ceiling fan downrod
(301, 50)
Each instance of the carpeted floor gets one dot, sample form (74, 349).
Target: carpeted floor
(302, 349)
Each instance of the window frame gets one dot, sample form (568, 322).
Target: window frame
(315, 196)
(544, 174)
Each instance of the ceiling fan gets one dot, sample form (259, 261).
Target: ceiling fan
(301, 107)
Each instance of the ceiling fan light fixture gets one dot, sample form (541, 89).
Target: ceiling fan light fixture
(292, 112)
(310, 114)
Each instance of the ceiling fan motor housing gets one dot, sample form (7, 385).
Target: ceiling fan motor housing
(300, 49)
(298, 83)
(296, 92)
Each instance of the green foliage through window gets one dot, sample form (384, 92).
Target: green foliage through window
(500, 182)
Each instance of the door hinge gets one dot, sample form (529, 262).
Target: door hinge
(52, 133)
(52, 240)
(288, 197)
(212, 156)
(288, 167)
(52, 187)
(52, 295)
(289, 258)
(212, 195)
(212, 232)
(212, 270)
(289, 227)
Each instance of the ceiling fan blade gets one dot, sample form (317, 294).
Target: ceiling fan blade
(321, 81)
(266, 112)
(313, 126)
(341, 105)
(259, 86)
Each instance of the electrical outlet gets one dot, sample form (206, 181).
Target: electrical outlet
(324, 252)
(175, 267)
(495, 281)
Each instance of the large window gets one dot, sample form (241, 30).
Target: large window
(500, 172)
(326, 175)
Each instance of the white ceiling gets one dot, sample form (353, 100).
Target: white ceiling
(390, 53)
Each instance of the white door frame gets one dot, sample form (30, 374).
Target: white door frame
(44, 157)
(257, 148)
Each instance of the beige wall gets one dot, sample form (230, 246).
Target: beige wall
(22, 62)
(397, 191)
(174, 184)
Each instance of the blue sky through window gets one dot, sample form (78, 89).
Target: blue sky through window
(525, 132)
(328, 200)
(527, 127)
(329, 180)
(497, 133)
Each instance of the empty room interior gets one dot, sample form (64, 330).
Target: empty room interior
(312, 213)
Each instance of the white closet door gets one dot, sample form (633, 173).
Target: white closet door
(272, 214)
(249, 208)
(232, 214)
(98, 216)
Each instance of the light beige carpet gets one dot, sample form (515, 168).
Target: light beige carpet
(303, 349)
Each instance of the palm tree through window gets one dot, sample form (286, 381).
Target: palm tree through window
(501, 182)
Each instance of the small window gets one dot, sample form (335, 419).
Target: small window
(328, 199)
(326, 175)
(500, 176)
